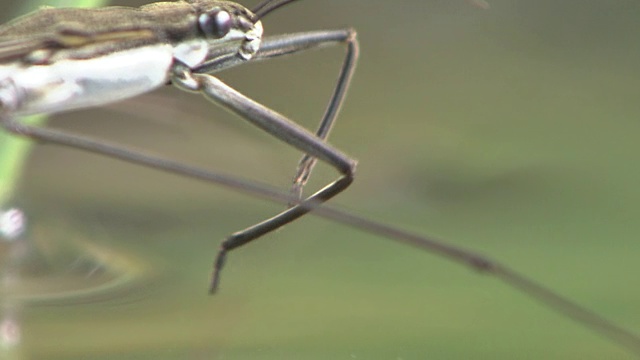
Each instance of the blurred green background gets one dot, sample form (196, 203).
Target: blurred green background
(511, 130)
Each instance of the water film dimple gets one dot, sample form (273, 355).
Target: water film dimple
(53, 262)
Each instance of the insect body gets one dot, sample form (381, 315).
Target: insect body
(61, 59)
(74, 58)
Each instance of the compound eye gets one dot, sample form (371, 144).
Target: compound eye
(216, 23)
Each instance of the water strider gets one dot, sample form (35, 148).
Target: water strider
(55, 60)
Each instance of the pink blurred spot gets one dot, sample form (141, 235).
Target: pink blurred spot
(480, 4)
(9, 333)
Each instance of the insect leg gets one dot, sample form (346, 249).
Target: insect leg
(476, 261)
(52, 136)
(276, 46)
(280, 127)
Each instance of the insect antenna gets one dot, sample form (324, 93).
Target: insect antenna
(268, 6)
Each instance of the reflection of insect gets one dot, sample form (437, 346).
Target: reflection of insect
(59, 59)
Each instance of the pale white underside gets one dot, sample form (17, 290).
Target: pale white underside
(74, 84)
(27, 89)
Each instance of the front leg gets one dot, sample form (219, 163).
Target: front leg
(285, 130)
(282, 45)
